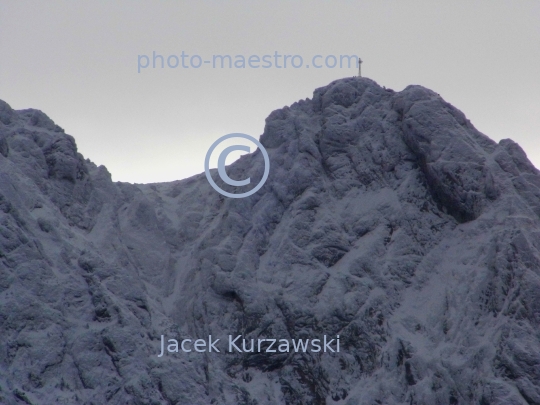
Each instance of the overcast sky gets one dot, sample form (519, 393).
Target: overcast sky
(77, 62)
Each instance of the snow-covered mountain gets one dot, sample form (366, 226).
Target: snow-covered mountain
(387, 219)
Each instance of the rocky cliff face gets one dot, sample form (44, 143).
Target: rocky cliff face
(387, 219)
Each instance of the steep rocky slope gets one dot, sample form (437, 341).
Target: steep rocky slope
(387, 219)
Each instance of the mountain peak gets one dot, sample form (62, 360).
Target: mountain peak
(387, 220)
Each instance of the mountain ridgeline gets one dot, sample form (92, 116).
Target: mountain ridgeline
(387, 219)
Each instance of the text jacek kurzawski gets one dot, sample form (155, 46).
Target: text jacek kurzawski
(237, 344)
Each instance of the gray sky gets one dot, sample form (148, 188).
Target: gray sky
(77, 61)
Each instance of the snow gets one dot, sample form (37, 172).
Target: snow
(387, 218)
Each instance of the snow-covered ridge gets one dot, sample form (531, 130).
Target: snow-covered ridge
(387, 219)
